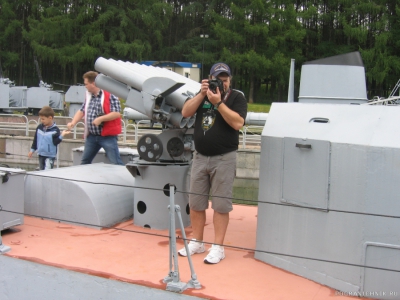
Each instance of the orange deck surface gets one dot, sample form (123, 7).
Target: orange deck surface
(138, 255)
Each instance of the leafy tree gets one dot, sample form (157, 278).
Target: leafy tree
(11, 45)
(256, 38)
(73, 34)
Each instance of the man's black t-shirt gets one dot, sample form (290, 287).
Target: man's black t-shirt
(212, 135)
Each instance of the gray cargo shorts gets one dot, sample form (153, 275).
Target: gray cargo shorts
(212, 176)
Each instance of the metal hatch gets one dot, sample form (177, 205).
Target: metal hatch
(306, 168)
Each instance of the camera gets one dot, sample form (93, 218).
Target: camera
(213, 84)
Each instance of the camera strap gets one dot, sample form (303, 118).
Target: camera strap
(227, 95)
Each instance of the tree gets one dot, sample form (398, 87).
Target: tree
(73, 33)
(11, 45)
(256, 38)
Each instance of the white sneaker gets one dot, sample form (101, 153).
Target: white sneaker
(194, 247)
(216, 254)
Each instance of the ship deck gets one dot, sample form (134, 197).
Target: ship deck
(137, 255)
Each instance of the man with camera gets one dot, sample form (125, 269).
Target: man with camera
(220, 113)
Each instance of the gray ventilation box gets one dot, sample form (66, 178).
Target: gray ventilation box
(95, 195)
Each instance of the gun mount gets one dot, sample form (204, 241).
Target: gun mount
(158, 94)
(12, 98)
(37, 97)
(75, 96)
(28, 100)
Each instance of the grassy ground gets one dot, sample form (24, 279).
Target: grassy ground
(253, 107)
(258, 107)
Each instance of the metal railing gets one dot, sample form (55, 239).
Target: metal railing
(250, 135)
(391, 101)
(25, 126)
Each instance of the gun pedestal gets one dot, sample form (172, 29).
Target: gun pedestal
(151, 195)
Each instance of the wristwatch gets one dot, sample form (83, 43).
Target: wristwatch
(218, 104)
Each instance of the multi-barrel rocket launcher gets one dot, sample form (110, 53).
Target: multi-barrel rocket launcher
(160, 95)
(165, 158)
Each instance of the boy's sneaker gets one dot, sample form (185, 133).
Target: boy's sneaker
(194, 247)
(216, 254)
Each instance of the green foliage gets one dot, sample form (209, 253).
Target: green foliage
(9, 27)
(256, 38)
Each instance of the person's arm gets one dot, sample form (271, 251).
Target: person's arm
(190, 107)
(230, 116)
(57, 138)
(64, 133)
(108, 117)
(115, 108)
(78, 116)
(34, 144)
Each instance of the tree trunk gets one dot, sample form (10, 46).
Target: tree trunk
(251, 90)
(75, 70)
(21, 58)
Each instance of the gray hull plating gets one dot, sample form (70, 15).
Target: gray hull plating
(331, 195)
